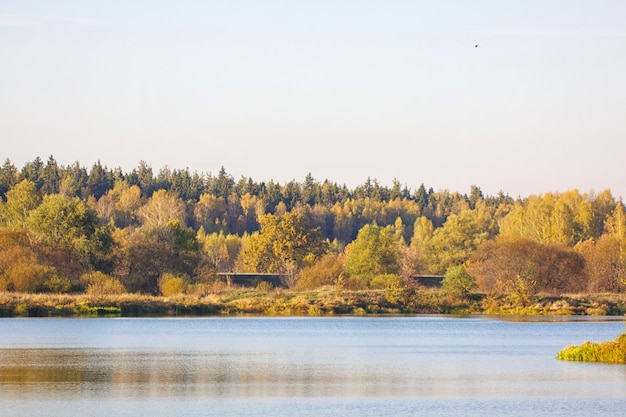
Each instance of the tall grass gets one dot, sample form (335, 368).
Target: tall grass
(613, 352)
(326, 300)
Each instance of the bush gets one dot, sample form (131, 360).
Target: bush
(458, 283)
(27, 277)
(384, 281)
(264, 286)
(350, 284)
(391, 283)
(99, 283)
(53, 284)
(321, 273)
(170, 284)
(606, 352)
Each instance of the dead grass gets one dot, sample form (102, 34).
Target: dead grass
(323, 301)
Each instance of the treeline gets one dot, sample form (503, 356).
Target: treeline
(68, 228)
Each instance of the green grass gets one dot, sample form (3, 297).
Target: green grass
(613, 352)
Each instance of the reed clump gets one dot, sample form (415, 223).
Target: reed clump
(612, 352)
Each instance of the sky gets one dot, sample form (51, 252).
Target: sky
(344, 90)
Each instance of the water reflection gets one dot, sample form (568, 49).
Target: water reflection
(150, 373)
(138, 373)
(235, 366)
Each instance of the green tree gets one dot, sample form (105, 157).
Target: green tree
(61, 220)
(32, 171)
(311, 190)
(421, 197)
(74, 181)
(8, 176)
(100, 181)
(143, 177)
(460, 235)
(458, 283)
(375, 251)
(70, 230)
(222, 185)
(51, 177)
(21, 200)
(423, 230)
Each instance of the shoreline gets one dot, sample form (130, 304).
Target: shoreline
(322, 302)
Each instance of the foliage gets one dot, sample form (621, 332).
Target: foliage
(210, 213)
(20, 269)
(25, 277)
(324, 272)
(458, 283)
(613, 352)
(391, 283)
(67, 225)
(98, 283)
(385, 281)
(21, 200)
(136, 226)
(606, 256)
(374, 252)
(146, 253)
(565, 219)
(605, 264)
(459, 237)
(522, 267)
(170, 284)
(284, 244)
(221, 250)
(52, 284)
(162, 208)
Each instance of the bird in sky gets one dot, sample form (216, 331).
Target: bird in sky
(475, 46)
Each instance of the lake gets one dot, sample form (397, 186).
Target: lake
(336, 366)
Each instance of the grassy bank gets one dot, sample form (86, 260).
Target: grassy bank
(325, 301)
(613, 352)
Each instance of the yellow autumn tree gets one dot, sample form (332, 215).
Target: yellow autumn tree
(284, 244)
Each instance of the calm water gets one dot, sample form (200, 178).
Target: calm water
(426, 366)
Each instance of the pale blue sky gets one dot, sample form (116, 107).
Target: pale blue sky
(344, 90)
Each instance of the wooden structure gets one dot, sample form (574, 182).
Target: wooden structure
(252, 279)
(428, 281)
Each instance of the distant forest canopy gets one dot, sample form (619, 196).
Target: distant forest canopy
(67, 228)
(76, 180)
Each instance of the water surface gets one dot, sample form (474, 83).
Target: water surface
(344, 366)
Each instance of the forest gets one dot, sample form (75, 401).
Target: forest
(98, 230)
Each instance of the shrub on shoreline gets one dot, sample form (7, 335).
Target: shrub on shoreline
(613, 352)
